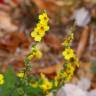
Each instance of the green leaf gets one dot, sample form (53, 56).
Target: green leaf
(32, 91)
(10, 81)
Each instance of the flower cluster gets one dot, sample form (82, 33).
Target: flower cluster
(70, 58)
(1, 79)
(41, 27)
(41, 81)
(68, 53)
(35, 52)
(68, 40)
(46, 84)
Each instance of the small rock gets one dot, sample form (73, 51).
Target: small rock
(71, 90)
(84, 83)
(82, 17)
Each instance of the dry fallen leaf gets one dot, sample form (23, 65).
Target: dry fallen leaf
(6, 23)
(53, 41)
(51, 7)
(13, 40)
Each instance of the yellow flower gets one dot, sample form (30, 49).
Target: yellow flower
(1, 82)
(34, 85)
(68, 53)
(61, 74)
(41, 28)
(34, 33)
(20, 74)
(37, 37)
(69, 77)
(34, 53)
(39, 31)
(66, 43)
(38, 54)
(70, 69)
(69, 72)
(30, 56)
(43, 77)
(44, 17)
(1, 79)
(46, 84)
(68, 40)
(1, 76)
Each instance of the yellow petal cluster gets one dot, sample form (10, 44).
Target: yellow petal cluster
(44, 17)
(1, 79)
(35, 52)
(41, 27)
(68, 53)
(20, 74)
(70, 71)
(68, 40)
(46, 84)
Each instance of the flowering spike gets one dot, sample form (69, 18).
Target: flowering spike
(39, 31)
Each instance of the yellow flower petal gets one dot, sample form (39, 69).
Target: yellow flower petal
(1, 82)
(20, 74)
(37, 38)
(1, 76)
(1, 79)
(43, 17)
(68, 53)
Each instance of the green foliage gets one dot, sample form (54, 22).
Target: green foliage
(14, 86)
(32, 91)
(10, 81)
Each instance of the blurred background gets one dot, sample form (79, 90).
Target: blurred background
(19, 17)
